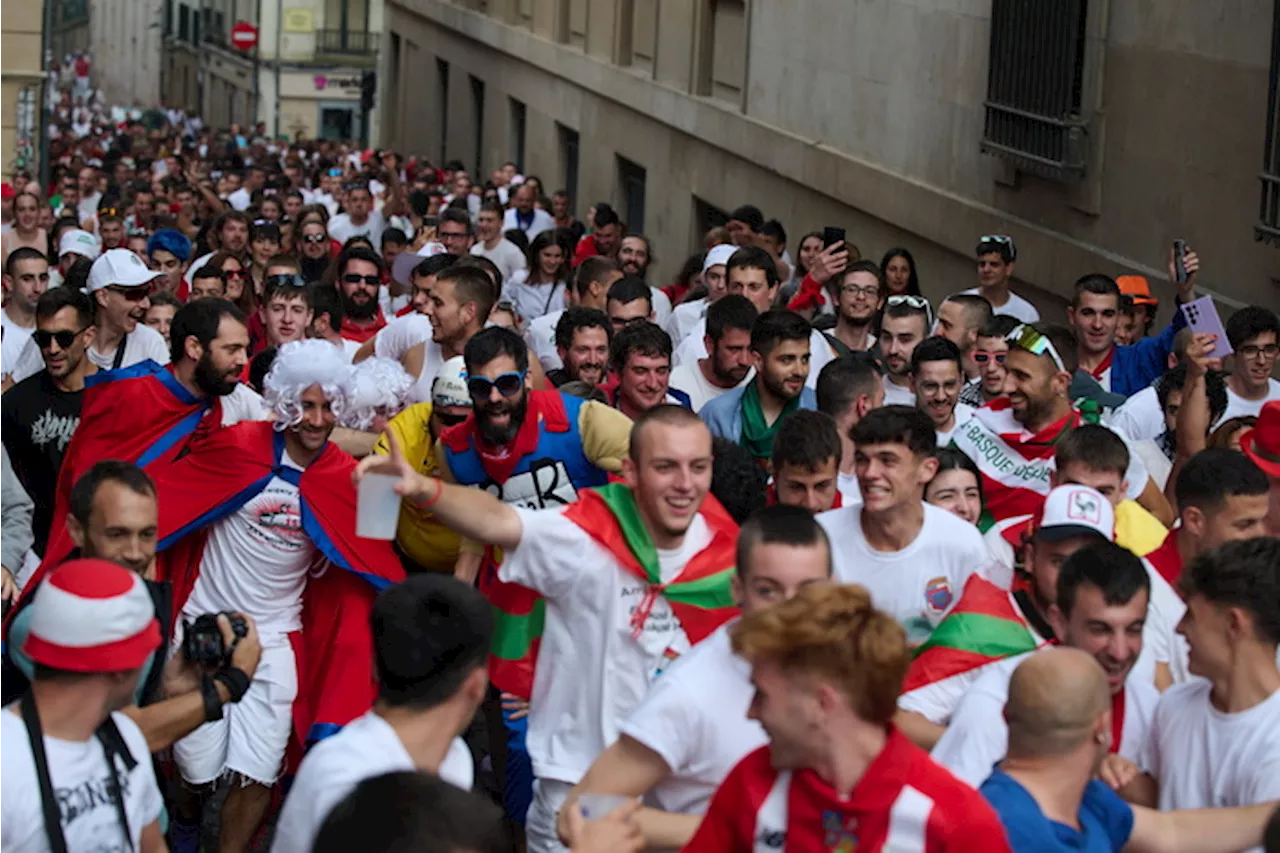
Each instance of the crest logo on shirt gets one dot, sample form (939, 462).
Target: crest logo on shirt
(840, 832)
(937, 593)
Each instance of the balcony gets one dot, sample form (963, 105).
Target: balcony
(350, 44)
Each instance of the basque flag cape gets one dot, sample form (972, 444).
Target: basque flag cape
(221, 473)
(982, 628)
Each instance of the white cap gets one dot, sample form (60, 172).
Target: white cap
(1075, 511)
(80, 242)
(449, 387)
(719, 256)
(120, 268)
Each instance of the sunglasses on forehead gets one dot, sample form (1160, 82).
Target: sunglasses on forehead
(508, 385)
(1027, 339)
(919, 303)
(285, 280)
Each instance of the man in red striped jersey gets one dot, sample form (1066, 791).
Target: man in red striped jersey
(836, 776)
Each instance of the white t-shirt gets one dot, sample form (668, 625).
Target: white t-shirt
(539, 222)
(13, 338)
(1239, 407)
(850, 491)
(78, 772)
(342, 229)
(366, 747)
(1161, 642)
(256, 560)
(661, 307)
(589, 604)
(685, 317)
(689, 378)
(243, 404)
(694, 348)
(401, 335)
(1204, 758)
(897, 395)
(240, 199)
(963, 412)
(978, 737)
(1016, 307)
(506, 256)
(695, 717)
(350, 348)
(918, 584)
(141, 344)
(1140, 417)
(533, 300)
(540, 337)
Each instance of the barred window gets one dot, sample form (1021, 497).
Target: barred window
(1268, 227)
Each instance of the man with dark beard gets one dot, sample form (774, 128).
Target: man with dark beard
(583, 336)
(359, 278)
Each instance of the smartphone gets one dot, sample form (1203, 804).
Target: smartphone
(832, 235)
(1179, 268)
(1202, 317)
(430, 222)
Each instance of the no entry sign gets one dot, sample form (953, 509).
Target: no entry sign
(244, 35)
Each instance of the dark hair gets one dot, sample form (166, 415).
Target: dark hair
(1094, 446)
(430, 632)
(897, 425)
(773, 327)
(1096, 282)
(410, 812)
(594, 268)
(1214, 474)
(491, 342)
(1244, 574)
(325, 302)
(954, 459)
(773, 228)
(470, 284)
(486, 266)
(643, 338)
(806, 439)
(844, 380)
(977, 309)
(936, 349)
(1249, 322)
(394, 235)
(356, 252)
(200, 319)
(133, 478)
(288, 291)
(1064, 341)
(230, 216)
(605, 216)
(20, 254)
(457, 217)
(78, 274)
(913, 280)
(999, 326)
(546, 240)
(207, 271)
(629, 288)
(576, 317)
(260, 366)
(517, 238)
(1222, 433)
(1215, 387)
(1117, 572)
(750, 214)
(737, 480)
(52, 301)
(434, 265)
(753, 258)
(779, 524)
(1004, 248)
(733, 311)
(163, 298)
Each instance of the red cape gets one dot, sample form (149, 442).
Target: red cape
(218, 475)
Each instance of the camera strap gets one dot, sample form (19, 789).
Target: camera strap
(112, 745)
(119, 358)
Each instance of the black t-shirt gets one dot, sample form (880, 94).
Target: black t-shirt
(36, 423)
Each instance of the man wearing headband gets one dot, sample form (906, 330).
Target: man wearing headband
(245, 515)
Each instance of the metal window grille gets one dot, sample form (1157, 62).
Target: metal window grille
(1034, 116)
(350, 42)
(1268, 227)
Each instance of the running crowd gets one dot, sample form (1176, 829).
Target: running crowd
(777, 556)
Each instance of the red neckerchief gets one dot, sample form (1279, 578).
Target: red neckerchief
(361, 334)
(500, 462)
(1105, 364)
(1167, 561)
(1117, 719)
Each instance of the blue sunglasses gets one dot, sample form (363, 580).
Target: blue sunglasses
(508, 385)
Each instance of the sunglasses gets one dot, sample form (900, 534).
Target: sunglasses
(132, 294)
(982, 356)
(314, 238)
(285, 280)
(999, 240)
(227, 275)
(356, 278)
(64, 337)
(919, 303)
(1029, 340)
(508, 385)
(448, 420)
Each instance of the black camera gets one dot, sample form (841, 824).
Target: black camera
(202, 639)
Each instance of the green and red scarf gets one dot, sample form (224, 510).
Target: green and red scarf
(757, 433)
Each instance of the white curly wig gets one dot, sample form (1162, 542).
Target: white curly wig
(300, 365)
(379, 387)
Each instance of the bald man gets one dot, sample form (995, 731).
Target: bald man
(1059, 719)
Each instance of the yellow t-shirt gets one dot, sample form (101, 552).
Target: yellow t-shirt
(1137, 529)
(422, 538)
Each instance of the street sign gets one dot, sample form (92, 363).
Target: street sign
(244, 35)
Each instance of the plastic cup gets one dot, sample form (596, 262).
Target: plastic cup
(377, 507)
(596, 806)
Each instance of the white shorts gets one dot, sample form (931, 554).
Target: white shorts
(251, 737)
(540, 824)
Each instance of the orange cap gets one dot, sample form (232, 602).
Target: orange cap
(1136, 286)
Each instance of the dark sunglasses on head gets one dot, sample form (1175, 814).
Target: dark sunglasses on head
(64, 337)
(981, 356)
(356, 278)
(314, 238)
(508, 385)
(285, 280)
(133, 294)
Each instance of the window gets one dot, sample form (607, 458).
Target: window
(723, 66)
(1035, 86)
(168, 17)
(644, 34)
(631, 182)
(515, 149)
(347, 15)
(184, 22)
(1268, 227)
(705, 217)
(525, 12)
(577, 23)
(442, 77)
(477, 117)
(569, 161)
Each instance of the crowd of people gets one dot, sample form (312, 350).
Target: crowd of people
(778, 555)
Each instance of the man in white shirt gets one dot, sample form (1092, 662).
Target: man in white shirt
(903, 325)
(92, 629)
(687, 316)
(242, 198)
(1101, 602)
(26, 276)
(1254, 333)
(490, 244)
(936, 376)
(728, 344)
(431, 639)
(326, 319)
(692, 727)
(523, 216)
(858, 300)
(590, 289)
(996, 256)
(913, 557)
(615, 616)
(359, 217)
(961, 318)
(849, 388)
(121, 285)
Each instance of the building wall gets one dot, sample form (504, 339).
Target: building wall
(20, 41)
(127, 37)
(873, 122)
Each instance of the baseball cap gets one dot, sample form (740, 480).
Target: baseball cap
(120, 268)
(1136, 286)
(718, 256)
(92, 616)
(80, 242)
(1075, 511)
(449, 387)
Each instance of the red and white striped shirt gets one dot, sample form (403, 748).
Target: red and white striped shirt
(903, 803)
